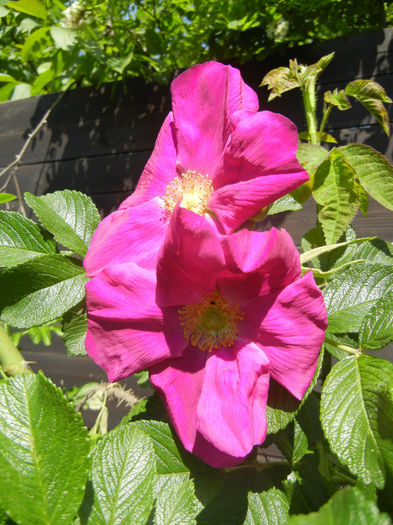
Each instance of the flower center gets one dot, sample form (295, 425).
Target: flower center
(212, 323)
(193, 189)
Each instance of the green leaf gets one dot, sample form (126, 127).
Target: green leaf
(43, 452)
(74, 332)
(292, 441)
(21, 91)
(122, 475)
(377, 328)
(7, 197)
(270, 506)
(374, 172)
(346, 507)
(325, 137)
(279, 81)
(316, 252)
(40, 290)
(176, 503)
(357, 416)
(372, 96)
(337, 98)
(34, 40)
(64, 38)
(334, 192)
(166, 446)
(285, 203)
(30, 7)
(22, 239)
(352, 293)
(71, 216)
(310, 157)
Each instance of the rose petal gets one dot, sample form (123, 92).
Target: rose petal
(232, 406)
(189, 261)
(128, 235)
(127, 331)
(203, 98)
(292, 332)
(160, 168)
(179, 383)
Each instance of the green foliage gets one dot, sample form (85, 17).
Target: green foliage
(357, 416)
(122, 477)
(40, 290)
(69, 215)
(270, 506)
(43, 452)
(74, 331)
(348, 507)
(22, 240)
(46, 46)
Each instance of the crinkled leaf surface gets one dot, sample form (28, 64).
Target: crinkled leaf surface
(346, 507)
(71, 216)
(377, 328)
(22, 239)
(279, 81)
(357, 416)
(43, 452)
(352, 293)
(337, 98)
(335, 192)
(374, 172)
(40, 290)
(74, 332)
(176, 503)
(270, 506)
(371, 95)
(122, 476)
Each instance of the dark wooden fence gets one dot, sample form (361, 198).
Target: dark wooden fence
(98, 140)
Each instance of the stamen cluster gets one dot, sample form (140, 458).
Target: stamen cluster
(194, 191)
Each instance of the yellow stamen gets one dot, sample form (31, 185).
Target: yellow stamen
(212, 323)
(194, 191)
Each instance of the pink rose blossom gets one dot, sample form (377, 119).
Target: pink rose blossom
(215, 154)
(219, 317)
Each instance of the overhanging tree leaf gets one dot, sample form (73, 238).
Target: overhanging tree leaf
(334, 191)
(270, 506)
(374, 172)
(22, 239)
(43, 452)
(71, 216)
(357, 416)
(346, 507)
(352, 293)
(30, 7)
(123, 470)
(371, 95)
(40, 290)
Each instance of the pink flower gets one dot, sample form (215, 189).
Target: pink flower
(216, 153)
(221, 315)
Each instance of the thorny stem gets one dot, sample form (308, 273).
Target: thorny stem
(309, 100)
(11, 360)
(325, 117)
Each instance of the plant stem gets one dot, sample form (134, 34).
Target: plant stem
(348, 349)
(325, 117)
(309, 101)
(11, 360)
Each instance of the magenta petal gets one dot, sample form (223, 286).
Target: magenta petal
(179, 382)
(129, 235)
(160, 168)
(292, 333)
(203, 99)
(190, 259)
(126, 329)
(232, 405)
